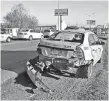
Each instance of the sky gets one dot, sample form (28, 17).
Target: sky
(78, 11)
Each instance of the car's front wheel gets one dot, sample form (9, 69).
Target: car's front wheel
(30, 38)
(8, 39)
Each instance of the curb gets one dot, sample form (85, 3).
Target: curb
(6, 75)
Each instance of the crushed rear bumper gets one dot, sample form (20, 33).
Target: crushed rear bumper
(35, 66)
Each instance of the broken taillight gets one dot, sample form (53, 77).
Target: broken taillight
(79, 53)
(39, 50)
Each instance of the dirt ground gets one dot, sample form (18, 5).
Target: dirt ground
(64, 87)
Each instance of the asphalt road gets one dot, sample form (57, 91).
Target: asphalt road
(13, 58)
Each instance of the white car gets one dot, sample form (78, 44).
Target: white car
(30, 34)
(48, 32)
(5, 37)
(71, 51)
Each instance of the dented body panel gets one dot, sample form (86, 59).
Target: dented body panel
(65, 51)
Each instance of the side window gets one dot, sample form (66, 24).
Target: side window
(32, 31)
(96, 38)
(51, 30)
(91, 40)
(37, 31)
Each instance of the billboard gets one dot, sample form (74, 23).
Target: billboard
(100, 26)
(61, 12)
(91, 22)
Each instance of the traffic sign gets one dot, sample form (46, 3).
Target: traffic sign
(91, 22)
(61, 12)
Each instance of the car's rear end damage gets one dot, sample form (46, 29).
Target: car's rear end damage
(59, 55)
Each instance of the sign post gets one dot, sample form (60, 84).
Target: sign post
(61, 12)
(90, 22)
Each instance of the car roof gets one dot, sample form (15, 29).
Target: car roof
(82, 31)
(74, 31)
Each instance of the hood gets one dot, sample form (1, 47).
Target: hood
(59, 44)
(7, 35)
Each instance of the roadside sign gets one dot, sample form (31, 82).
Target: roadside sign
(99, 26)
(61, 12)
(91, 22)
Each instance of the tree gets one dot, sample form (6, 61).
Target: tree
(19, 17)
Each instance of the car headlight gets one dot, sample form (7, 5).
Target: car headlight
(70, 63)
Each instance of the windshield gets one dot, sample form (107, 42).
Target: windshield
(67, 36)
(25, 30)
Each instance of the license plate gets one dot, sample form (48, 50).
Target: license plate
(54, 51)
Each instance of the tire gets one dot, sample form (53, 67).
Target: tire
(8, 39)
(30, 38)
(84, 71)
(89, 70)
(81, 72)
(100, 61)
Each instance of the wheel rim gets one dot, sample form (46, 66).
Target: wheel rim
(8, 40)
(30, 38)
(90, 70)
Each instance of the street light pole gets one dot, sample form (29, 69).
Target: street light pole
(58, 15)
(60, 22)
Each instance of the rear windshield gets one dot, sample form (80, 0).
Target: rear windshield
(67, 36)
(46, 30)
(24, 30)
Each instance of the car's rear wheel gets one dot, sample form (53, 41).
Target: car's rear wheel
(85, 71)
(8, 39)
(89, 70)
(100, 61)
(30, 38)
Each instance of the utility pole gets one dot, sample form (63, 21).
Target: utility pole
(60, 22)
(58, 15)
(60, 12)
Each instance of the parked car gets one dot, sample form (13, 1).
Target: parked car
(5, 37)
(48, 32)
(30, 34)
(67, 52)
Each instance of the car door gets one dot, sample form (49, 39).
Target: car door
(99, 46)
(32, 32)
(3, 37)
(94, 48)
(38, 34)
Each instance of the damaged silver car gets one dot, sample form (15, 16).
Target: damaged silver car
(70, 51)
